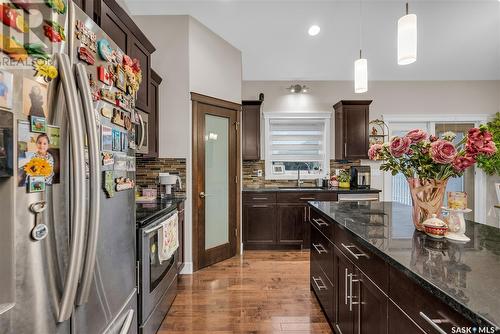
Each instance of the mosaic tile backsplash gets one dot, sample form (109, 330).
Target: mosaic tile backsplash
(148, 169)
(250, 178)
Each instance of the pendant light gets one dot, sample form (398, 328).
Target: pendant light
(360, 65)
(407, 38)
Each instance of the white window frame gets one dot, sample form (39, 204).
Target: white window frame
(479, 175)
(324, 116)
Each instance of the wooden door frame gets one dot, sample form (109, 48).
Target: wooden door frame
(196, 99)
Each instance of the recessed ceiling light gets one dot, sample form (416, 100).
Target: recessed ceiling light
(314, 30)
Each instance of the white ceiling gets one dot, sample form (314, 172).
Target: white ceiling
(457, 40)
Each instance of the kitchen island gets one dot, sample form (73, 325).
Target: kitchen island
(371, 270)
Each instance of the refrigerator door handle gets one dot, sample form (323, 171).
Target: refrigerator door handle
(142, 131)
(79, 188)
(94, 184)
(127, 323)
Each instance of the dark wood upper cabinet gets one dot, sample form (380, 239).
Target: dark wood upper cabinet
(153, 117)
(87, 6)
(351, 129)
(114, 26)
(250, 125)
(137, 50)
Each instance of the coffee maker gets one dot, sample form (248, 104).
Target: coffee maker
(360, 177)
(166, 181)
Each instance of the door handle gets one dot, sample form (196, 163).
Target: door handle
(128, 322)
(94, 185)
(141, 141)
(202, 195)
(79, 189)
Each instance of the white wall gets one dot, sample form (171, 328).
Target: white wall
(214, 64)
(389, 97)
(170, 36)
(190, 58)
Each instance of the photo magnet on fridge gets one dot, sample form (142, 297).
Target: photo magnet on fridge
(106, 138)
(124, 142)
(38, 124)
(38, 154)
(6, 81)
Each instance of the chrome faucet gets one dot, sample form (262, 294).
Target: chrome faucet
(299, 181)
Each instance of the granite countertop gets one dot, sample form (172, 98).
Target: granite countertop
(464, 275)
(146, 212)
(311, 189)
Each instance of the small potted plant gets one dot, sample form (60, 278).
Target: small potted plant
(344, 178)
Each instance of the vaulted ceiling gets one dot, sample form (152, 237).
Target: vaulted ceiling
(457, 40)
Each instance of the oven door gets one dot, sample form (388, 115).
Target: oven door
(142, 133)
(155, 277)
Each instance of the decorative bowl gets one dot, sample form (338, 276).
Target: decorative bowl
(435, 227)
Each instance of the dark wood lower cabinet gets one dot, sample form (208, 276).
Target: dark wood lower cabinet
(371, 305)
(367, 295)
(399, 322)
(291, 219)
(259, 229)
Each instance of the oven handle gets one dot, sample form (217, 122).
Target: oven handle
(157, 227)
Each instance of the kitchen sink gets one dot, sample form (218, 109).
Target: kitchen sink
(300, 188)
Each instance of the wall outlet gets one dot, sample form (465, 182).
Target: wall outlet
(259, 173)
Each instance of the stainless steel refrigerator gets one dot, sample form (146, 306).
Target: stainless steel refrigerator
(68, 244)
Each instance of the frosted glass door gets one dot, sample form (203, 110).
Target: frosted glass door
(216, 181)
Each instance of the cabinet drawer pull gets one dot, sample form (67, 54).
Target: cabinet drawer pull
(320, 248)
(259, 198)
(320, 222)
(432, 322)
(351, 297)
(355, 255)
(345, 286)
(305, 213)
(307, 198)
(260, 206)
(320, 287)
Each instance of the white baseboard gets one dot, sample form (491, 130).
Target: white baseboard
(188, 269)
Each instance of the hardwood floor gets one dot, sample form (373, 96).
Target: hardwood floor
(259, 292)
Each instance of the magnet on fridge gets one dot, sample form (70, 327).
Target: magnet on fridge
(109, 184)
(59, 6)
(118, 118)
(108, 96)
(104, 50)
(106, 138)
(107, 112)
(38, 124)
(85, 55)
(36, 184)
(124, 183)
(105, 75)
(127, 122)
(107, 158)
(117, 140)
(124, 142)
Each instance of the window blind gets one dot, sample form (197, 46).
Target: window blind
(297, 140)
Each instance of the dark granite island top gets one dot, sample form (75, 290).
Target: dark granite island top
(465, 276)
(147, 212)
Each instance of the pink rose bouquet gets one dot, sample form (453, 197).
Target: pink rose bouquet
(423, 156)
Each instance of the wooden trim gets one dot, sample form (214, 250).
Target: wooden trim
(352, 102)
(214, 101)
(156, 77)
(251, 102)
(197, 180)
(131, 26)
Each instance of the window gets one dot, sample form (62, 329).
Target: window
(297, 142)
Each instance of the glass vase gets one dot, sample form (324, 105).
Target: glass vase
(427, 196)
